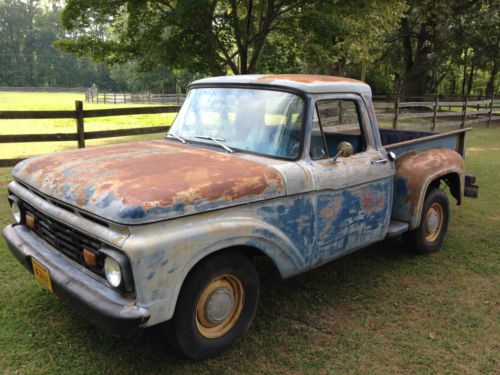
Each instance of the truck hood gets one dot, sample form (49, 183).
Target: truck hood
(143, 182)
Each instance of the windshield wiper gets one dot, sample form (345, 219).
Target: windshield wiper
(172, 135)
(216, 140)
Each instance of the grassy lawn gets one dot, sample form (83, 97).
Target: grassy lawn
(380, 310)
(18, 101)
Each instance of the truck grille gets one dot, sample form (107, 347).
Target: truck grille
(65, 239)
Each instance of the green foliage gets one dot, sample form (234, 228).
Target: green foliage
(202, 36)
(437, 38)
(27, 31)
(339, 33)
(399, 46)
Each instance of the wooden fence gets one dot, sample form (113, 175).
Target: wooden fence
(437, 113)
(44, 89)
(454, 113)
(79, 114)
(94, 96)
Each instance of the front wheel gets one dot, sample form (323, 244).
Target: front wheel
(429, 236)
(216, 306)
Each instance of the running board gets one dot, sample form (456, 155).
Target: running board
(396, 228)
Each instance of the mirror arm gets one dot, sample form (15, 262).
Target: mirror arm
(337, 156)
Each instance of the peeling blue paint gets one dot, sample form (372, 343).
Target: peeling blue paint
(346, 222)
(295, 218)
(132, 212)
(401, 207)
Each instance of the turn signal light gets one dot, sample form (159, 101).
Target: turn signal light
(30, 221)
(90, 257)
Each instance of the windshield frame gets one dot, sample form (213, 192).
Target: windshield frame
(266, 87)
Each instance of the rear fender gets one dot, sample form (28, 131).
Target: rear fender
(415, 172)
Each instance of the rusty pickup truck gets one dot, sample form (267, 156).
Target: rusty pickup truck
(290, 167)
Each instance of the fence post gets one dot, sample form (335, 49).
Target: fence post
(464, 112)
(124, 98)
(490, 113)
(396, 113)
(341, 112)
(80, 130)
(114, 97)
(434, 117)
(97, 96)
(105, 94)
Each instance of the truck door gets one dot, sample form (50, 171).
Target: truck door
(353, 194)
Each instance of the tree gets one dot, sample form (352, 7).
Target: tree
(341, 34)
(27, 30)
(435, 36)
(198, 35)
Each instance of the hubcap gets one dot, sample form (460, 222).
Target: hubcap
(220, 306)
(433, 222)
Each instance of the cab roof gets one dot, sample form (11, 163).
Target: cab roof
(313, 84)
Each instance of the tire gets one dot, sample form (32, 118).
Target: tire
(216, 306)
(429, 236)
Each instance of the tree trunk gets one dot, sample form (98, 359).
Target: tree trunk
(397, 84)
(363, 71)
(415, 79)
(408, 49)
(339, 68)
(470, 80)
(490, 88)
(464, 77)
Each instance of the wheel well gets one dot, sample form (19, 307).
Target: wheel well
(452, 180)
(249, 251)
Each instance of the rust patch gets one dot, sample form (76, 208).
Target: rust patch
(307, 78)
(417, 167)
(372, 200)
(332, 210)
(157, 174)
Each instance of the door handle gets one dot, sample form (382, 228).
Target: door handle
(379, 161)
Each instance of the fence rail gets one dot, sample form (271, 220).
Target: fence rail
(94, 96)
(79, 114)
(44, 89)
(464, 112)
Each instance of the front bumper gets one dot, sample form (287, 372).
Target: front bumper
(100, 304)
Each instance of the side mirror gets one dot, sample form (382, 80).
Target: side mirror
(344, 149)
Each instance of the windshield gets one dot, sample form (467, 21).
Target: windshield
(261, 121)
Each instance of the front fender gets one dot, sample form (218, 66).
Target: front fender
(163, 254)
(415, 171)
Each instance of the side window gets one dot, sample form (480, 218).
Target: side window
(317, 149)
(340, 121)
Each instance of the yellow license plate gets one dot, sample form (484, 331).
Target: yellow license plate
(41, 273)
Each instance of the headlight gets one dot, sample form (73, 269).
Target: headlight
(117, 269)
(15, 207)
(113, 272)
(16, 212)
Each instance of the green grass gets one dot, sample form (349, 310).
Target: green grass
(380, 310)
(18, 101)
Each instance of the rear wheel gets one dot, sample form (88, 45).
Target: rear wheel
(216, 306)
(429, 236)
